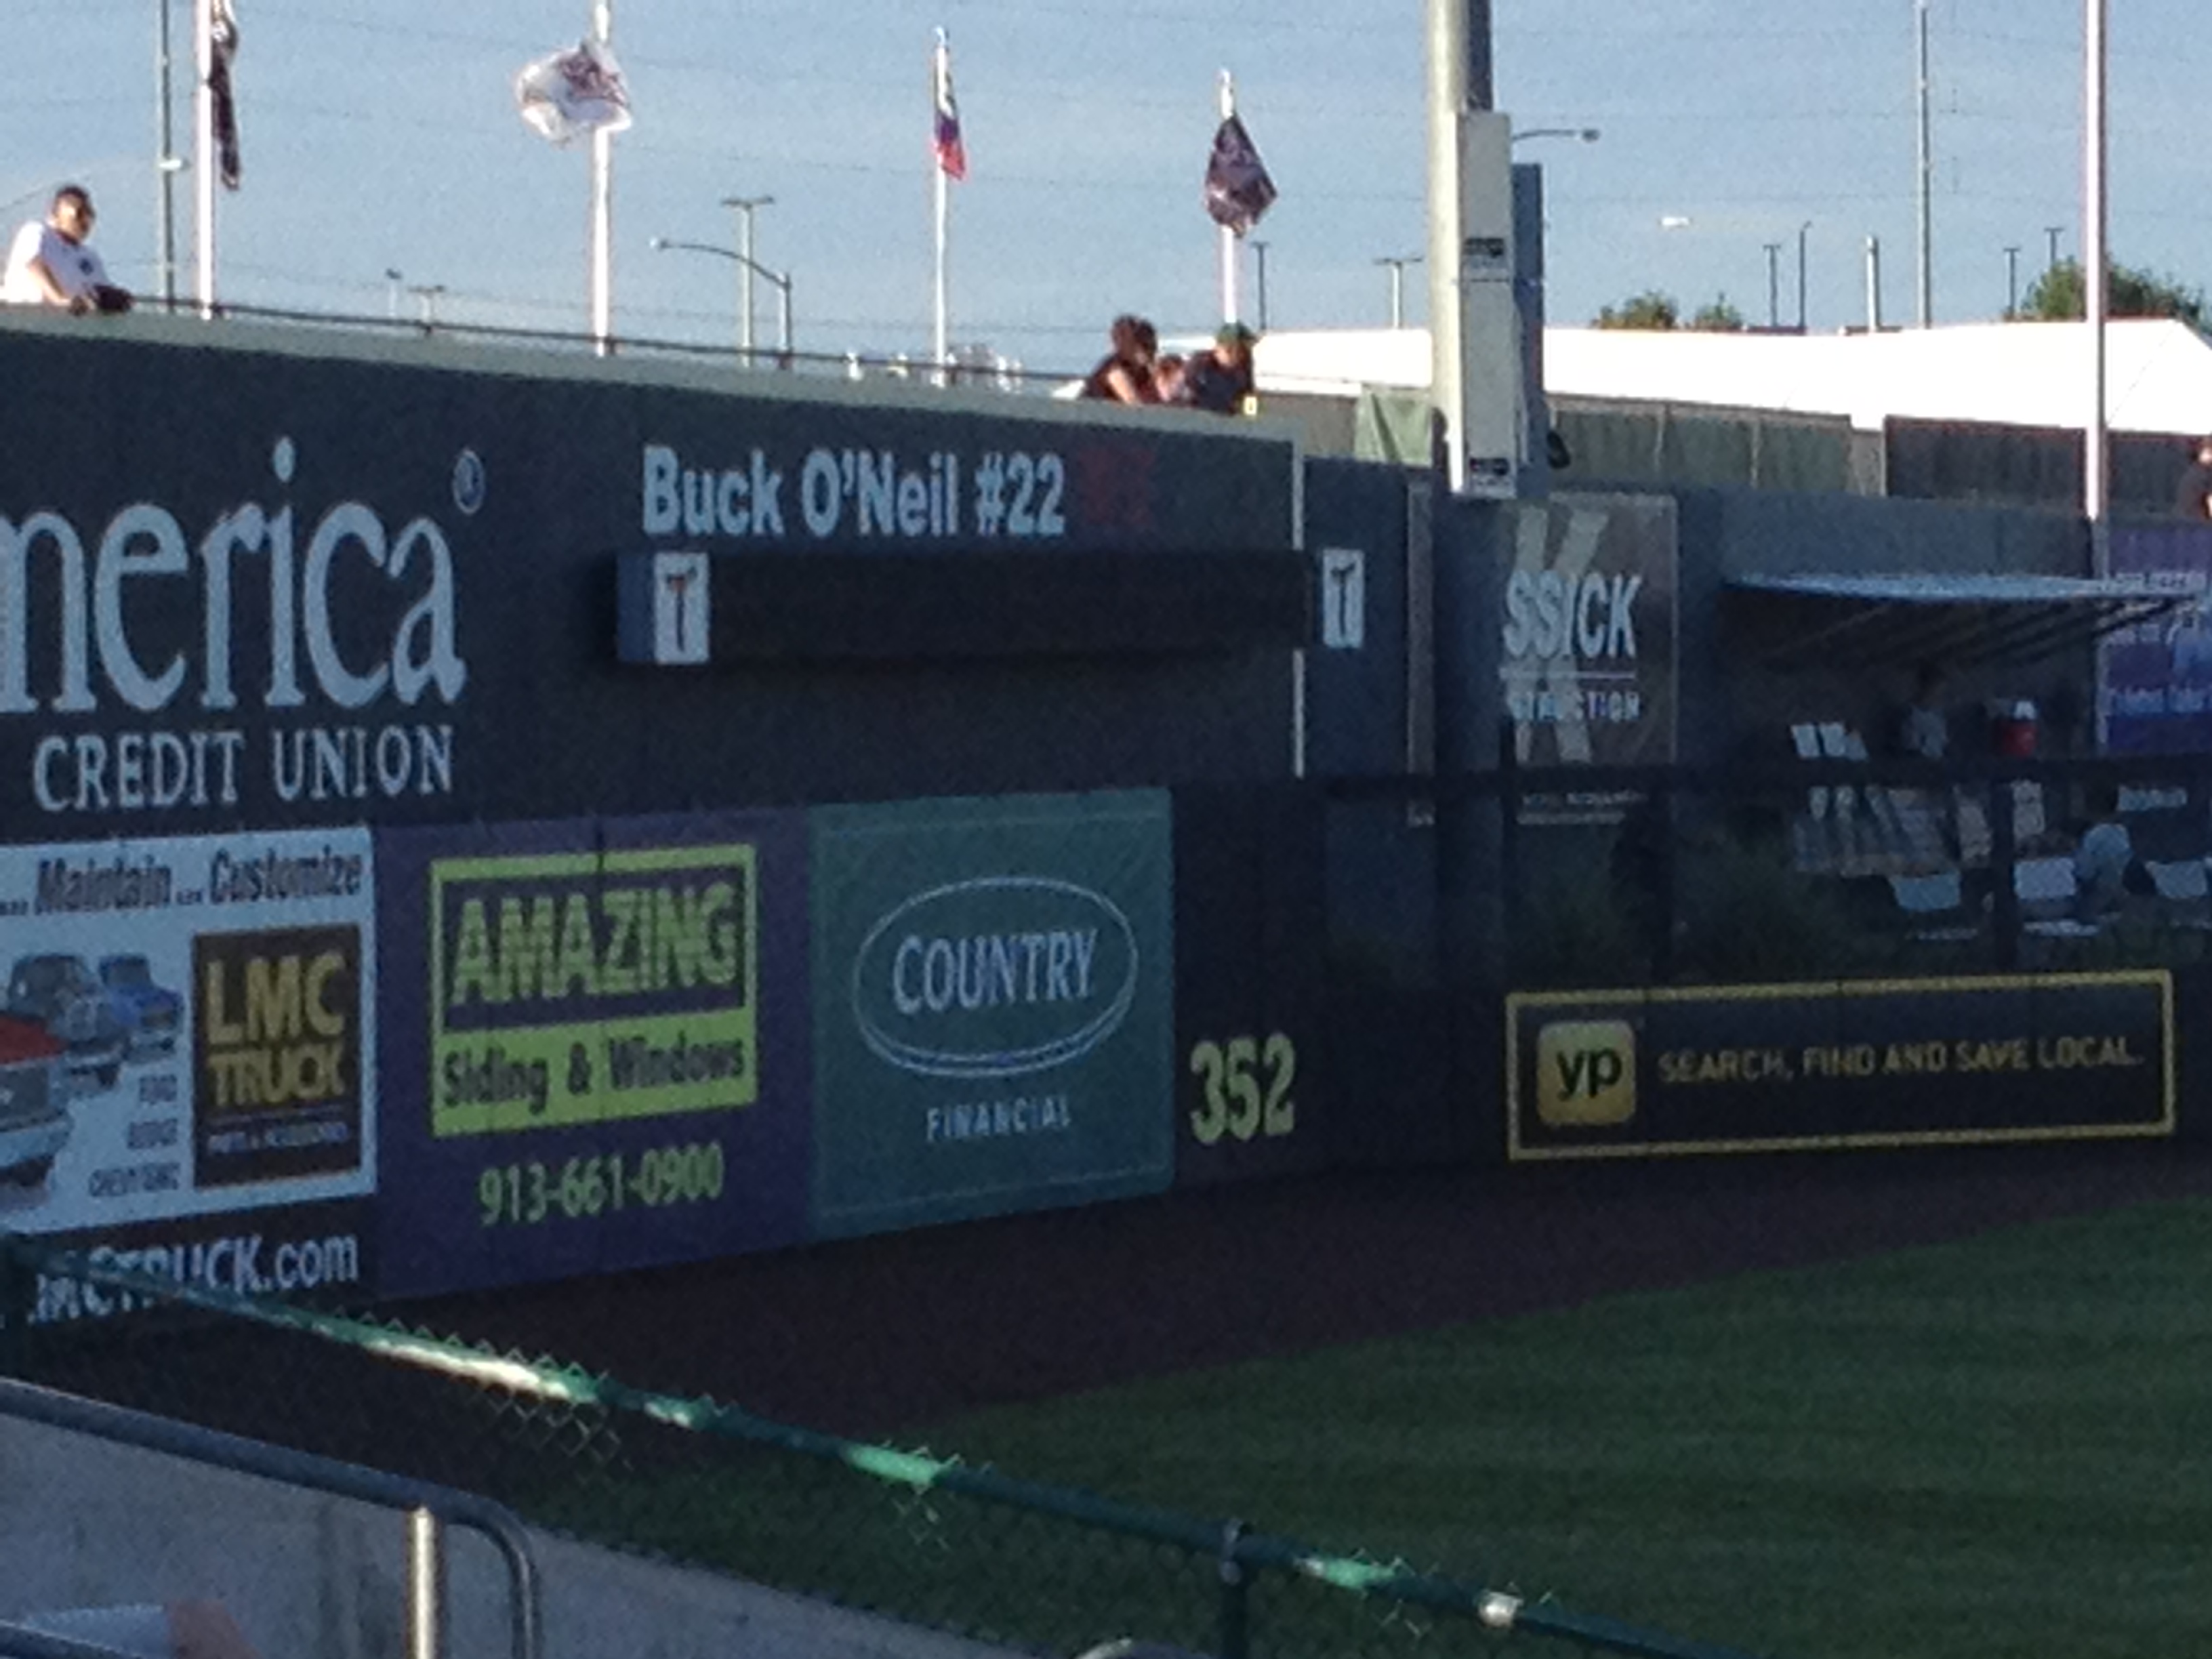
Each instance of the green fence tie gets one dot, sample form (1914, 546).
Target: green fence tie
(888, 1465)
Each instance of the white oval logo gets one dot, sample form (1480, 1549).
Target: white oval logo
(995, 977)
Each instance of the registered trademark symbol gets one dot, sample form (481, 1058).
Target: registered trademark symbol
(469, 481)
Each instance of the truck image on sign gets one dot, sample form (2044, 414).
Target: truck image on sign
(34, 1123)
(152, 1014)
(61, 993)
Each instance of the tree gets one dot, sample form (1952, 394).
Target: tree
(2057, 295)
(1649, 309)
(1718, 316)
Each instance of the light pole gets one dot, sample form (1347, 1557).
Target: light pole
(2050, 243)
(745, 207)
(1774, 285)
(1581, 135)
(1802, 229)
(1396, 264)
(780, 280)
(1260, 259)
(428, 292)
(393, 277)
(1923, 171)
(2012, 279)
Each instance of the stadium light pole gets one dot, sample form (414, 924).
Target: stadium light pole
(1582, 135)
(780, 280)
(745, 207)
(1396, 264)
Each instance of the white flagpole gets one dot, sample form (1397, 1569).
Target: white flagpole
(205, 167)
(940, 72)
(603, 167)
(2095, 296)
(1228, 236)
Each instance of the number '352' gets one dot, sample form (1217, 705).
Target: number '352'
(1246, 1084)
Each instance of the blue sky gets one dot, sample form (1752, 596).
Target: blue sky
(382, 136)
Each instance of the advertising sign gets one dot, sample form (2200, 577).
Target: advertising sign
(2155, 692)
(189, 1027)
(303, 1253)
(994, 997)
(1587, 631)
(354, 591)
(599, 1032)
(1877, 1063)
(1250, 1015)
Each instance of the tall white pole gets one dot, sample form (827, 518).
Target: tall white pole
(2094, 225)
(1923, 172)
(603, 208)
(1447, 100)
(941, 307)
(1228, 237)
(165, 155)
(205, 164)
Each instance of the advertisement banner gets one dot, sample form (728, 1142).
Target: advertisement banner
(1753, 1068)
(994, 997)
(2154, 690)
(1587, 640)
(1251, 928)
(312, 1253)
(189, 1028)
(348, 590)
(599, 1030)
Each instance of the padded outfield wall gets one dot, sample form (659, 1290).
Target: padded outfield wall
(491, 817)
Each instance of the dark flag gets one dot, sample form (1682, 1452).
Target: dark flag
(223, 46)
(1237, 188)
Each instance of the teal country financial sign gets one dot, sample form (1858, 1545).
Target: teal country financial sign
(994, 1006)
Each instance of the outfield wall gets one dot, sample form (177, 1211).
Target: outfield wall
(546, 817)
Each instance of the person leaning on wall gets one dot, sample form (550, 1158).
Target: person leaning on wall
(52, 263)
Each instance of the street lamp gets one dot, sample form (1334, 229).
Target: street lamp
(745, 207)
(1802, 229)
(1581, 135)
(1396, 264)
(749, 269)
(428, 292)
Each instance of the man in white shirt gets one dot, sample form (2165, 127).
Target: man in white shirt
(53, 263)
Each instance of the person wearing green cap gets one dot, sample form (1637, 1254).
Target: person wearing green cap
(1221, 379)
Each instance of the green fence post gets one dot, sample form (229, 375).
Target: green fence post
(1236, 1637)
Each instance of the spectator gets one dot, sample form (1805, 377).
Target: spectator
(1124, 375)
(1171, 380)
(1924, 731)
(1221, 379)
(2193, 496)
(51, 263)
(2104, 862)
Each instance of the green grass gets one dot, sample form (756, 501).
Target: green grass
(2002, 1447)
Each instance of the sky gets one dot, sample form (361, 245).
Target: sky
(383, 136)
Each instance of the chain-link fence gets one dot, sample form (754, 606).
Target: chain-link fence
(918, 1537)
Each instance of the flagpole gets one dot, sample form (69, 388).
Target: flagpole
(204, 164)
(603, 167)
(1228, 236)
(941, 71)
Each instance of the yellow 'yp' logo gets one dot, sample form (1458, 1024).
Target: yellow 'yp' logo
(1586, 1074)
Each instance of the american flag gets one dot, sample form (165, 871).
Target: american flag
(952, 153)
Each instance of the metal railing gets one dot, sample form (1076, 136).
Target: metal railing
(428, 1511)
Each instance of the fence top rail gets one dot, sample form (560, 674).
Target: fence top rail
(1227, 1541)
(213, 1449)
